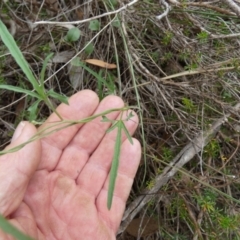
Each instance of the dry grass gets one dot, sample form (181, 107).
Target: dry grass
(182, 71)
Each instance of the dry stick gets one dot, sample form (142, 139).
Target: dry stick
(183, 157)
(233, 6)
(217, 9)
(185, 73)
(211, 35)
(165, 13)
(89, 19)
(202, 4)
(191, 214)
(143, 70)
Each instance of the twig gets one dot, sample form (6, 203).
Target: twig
(185, 155)
(89, 19)
(233, 6)
(217, 9)
(185, 73)
(165, 13)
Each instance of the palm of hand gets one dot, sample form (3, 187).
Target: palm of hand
(65, 198)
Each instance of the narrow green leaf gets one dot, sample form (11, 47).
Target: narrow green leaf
(116, 23)
(100, 86)
(33, 111)
(10, 229)
(113, 127)
(130, 116)
(73, 35)
(10, 43)
(105, 119)
(77, 62)
(42, 74)
(20, 90)
(127, 133)
(58, 96)
(114, 167)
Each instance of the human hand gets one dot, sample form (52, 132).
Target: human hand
(56, 187)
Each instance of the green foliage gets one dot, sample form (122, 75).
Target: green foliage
(40, 92)
(202, 36)
(189, 106)
(33, 111)
(167, 38)
(167, 154)
(229, 222)
(73, 35)
(150, 184)
(119, 124)
(112, 4)
(13, 231)
(167, 56)
(207, 200)
(116, 23)
(89, 48)
(191, 66)
(45, 48)
(107, 86)
(212, 149)
(102, 82)
(94, 25)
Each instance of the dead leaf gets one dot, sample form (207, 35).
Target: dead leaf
(63, 57)
(147, 225)
(75, 76)
(101, 63)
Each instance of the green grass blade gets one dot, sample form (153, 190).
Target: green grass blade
(20, 90)
(127, 133)
(77, 62)
(10, 43)
(58, 96)
(42, 74)
(115, 163)
(33, 111)
(113, 127)
(10, 229)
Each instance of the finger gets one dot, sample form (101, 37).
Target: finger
(17, 168)
(81, 105)
(87, 139)
(128, 165)
(97, 168)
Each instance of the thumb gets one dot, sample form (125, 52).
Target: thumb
(17, 168)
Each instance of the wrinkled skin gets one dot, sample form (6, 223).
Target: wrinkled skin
(56, 187)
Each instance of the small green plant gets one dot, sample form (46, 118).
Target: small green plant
(207, 200)
(89, 48)
(167, 56)
(150, 184)
(202, 36)
(73, 35)
(167, 154)
(39, 92)
(212, 149)
(191, 66)
(94, 25)
(167, 38)
(189, 106)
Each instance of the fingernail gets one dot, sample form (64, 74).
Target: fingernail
(18, 131)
